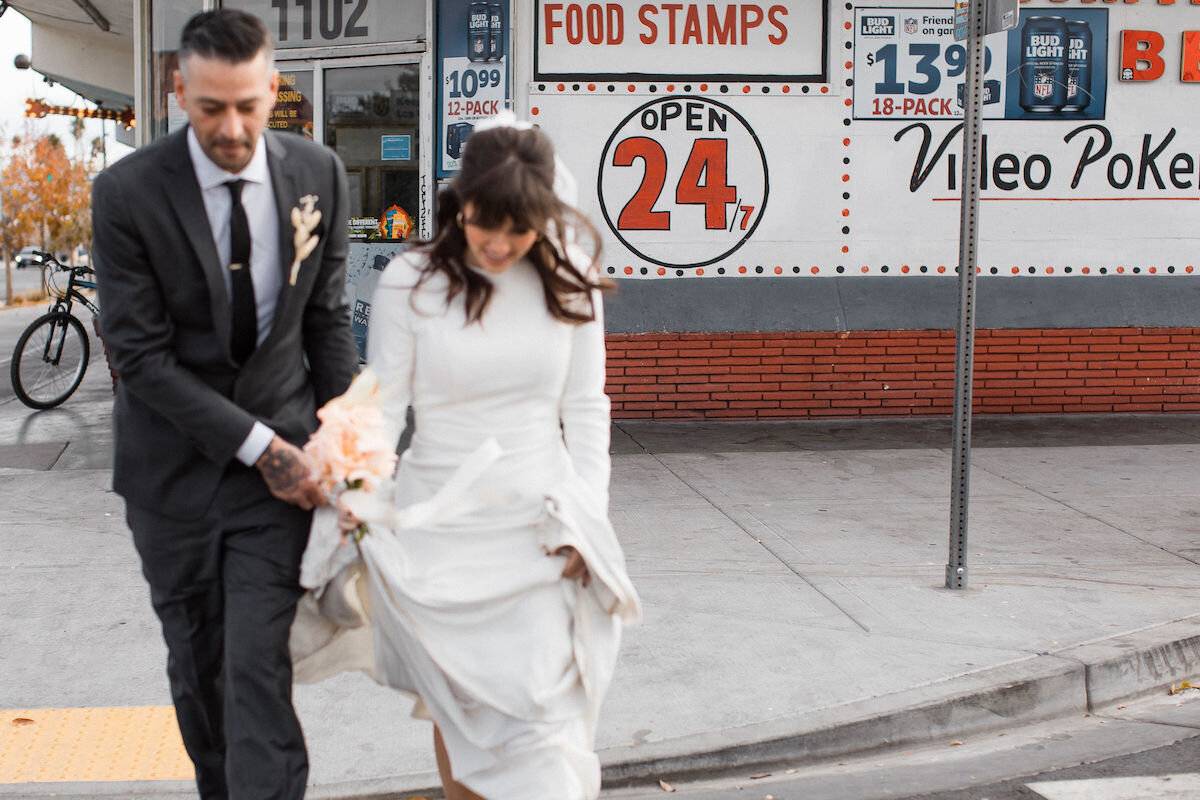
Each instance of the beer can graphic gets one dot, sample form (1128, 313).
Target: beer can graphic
(457, 134)
(1044, 64)
(478, 30)
(496, 45)
(1079, 66)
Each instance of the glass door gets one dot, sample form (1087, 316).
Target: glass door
(369, 111)
(372, 120)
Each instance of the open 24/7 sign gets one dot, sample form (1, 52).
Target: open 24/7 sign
(683, 181)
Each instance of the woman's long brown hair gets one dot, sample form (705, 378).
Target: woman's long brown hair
(508, 177)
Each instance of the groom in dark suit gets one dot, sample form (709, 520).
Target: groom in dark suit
(226, 340)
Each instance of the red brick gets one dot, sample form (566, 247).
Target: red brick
(707, 353)
(679, 414)
(702, 387)
(786, 360)
(758, 369)
(745, 352)
(655, 406)
(789, 395)
(650, 371)
(630, 380)
(634, 344)
(736, 378)
(704, 369)
(744, 395)
(808, 369)
(728, 360)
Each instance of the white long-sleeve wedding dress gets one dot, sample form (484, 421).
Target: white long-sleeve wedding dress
(469, 611)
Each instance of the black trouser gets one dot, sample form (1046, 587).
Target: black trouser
(225, 588)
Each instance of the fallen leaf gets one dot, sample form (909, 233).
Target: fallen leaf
(760, 776)
(791, 772)
(22, 721)
(955, 743)
(666, 787)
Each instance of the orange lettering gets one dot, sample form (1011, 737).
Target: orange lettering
(548, 15)
(691, 26)
(1189, 65)
(651, 33)
(773, 16)
(721, 31)
(1140, 59)
(748, 12)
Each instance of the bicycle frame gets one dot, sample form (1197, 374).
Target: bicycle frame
(66, 302)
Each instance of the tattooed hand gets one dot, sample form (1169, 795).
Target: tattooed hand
(289, 475)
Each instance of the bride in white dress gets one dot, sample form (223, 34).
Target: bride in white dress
(503, 618)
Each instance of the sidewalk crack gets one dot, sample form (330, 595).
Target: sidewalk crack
(1089, 515)
(732, 517)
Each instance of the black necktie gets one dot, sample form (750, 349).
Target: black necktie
(244, 329)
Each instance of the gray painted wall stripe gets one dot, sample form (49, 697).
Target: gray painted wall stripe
(871, 302)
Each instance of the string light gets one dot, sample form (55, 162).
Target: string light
(39, 109)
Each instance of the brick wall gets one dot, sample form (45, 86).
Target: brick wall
(900, 373)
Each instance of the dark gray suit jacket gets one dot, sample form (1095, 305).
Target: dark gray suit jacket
(183, 406)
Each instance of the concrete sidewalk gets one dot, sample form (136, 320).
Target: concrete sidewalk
(792, 577)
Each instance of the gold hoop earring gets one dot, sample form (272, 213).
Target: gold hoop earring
(458, 218)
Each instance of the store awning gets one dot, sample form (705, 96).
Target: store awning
(85, 45)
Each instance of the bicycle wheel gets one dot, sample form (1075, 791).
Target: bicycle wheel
(49, 361)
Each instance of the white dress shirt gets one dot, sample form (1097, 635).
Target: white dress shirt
(258, 199)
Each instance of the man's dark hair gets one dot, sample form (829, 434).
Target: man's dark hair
(226, 34)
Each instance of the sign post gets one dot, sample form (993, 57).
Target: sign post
(969, 16)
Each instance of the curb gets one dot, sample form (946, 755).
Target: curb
(1073, 681)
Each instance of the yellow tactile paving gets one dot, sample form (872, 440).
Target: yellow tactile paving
(91, 744)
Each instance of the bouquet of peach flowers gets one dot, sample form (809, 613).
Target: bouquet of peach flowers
(351, 448)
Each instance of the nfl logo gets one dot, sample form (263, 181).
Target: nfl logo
(1043, 89)
(910, 25)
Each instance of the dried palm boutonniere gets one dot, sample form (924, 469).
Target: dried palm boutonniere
(305, 219)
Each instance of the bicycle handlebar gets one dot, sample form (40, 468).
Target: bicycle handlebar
(49, 260)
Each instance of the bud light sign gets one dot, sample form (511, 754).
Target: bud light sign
(1056, 66)
(1051, 65)
(877, 26)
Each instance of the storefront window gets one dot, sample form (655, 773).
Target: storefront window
(294, 103)
(167, 18)
(371, 120)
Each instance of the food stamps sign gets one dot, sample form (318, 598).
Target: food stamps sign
(638, 40)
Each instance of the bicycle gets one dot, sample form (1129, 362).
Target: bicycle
(52, 354)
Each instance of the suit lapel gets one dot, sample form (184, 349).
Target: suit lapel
(183, 193)
(286, 196)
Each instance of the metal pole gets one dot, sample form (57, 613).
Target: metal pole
(964, 350)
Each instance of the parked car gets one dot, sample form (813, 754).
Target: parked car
(28, 257)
